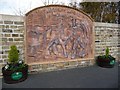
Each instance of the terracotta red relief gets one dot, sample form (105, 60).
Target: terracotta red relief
(56, 33)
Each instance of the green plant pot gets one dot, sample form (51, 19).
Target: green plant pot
(105, 62)
(16, 76)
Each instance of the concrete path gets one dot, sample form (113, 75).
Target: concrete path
(87, 77)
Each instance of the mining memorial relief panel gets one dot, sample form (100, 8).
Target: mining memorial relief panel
(58, 33)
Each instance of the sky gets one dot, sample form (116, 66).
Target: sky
(15, 7)
(20, 7)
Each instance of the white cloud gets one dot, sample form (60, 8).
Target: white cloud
(22, 6)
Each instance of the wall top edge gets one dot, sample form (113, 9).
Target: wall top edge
(106, 24)
(64, 6)
(5, 17)
(11, 15)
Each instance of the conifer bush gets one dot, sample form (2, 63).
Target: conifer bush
(13, 55)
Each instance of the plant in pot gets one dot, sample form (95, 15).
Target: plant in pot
(106, 60)
(15, 70)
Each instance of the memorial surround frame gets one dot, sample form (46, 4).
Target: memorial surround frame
(55, 32)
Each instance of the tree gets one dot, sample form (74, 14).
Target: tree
(73, 4)
(49, 2)
(100, 11)
(119, 12)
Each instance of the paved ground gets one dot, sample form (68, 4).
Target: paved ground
(0, 83)
(88, 77)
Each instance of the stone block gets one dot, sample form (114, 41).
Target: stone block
(19, 23)
(0, 56)
(6, 51)
(73, 63)
(4, 56)
(18, 39)
(1, 52)
(1, 26)
(5, 47)
(4, 39)
(8, 22)
(1, 22)
(13, 26)
(14, 35)
(51, 68)
(60, 65)
(35, 67)
(21, 35)
(44, 66)
(21, 27)
(18, 31)
(1, 61)
(7, 35)
(7, 30)
(10, 39)
(66, 64)
(7, 26)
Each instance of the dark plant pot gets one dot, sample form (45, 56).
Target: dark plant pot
(106, 63)
(11, 77)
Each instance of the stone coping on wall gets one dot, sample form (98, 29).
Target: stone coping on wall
(11, 17)
(106, 24)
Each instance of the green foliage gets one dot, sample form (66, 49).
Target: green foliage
(99, 11)
(107, 52)
(14, 64)
(107, 56)
(17, 66)
(13, 55)
(104, 57)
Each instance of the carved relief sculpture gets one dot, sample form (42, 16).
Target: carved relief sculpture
(57, 33)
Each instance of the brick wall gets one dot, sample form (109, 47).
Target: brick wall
(107, 35)
(12, 32)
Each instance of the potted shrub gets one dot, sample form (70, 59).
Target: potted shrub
(106, 60)
(15, 70)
